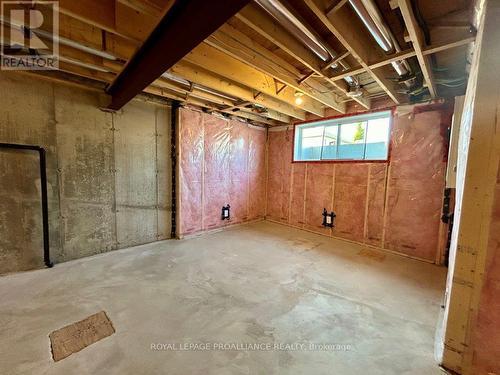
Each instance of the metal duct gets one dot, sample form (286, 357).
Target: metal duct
(188, 84)
(304, 33)
(370, 15)
(297, 28)
(61, 40)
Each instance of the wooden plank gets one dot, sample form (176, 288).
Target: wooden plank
(224, 65)
(405, 55)
(417, 39)
(204, 77)
(257, 19)
(358, 44)
(243, 48)
(477, 181)
(96, 13)
(124, 47)
(189, 23)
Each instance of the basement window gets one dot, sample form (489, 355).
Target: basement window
(364, 137)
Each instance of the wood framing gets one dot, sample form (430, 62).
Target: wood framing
(224, 65)
(477, 179)
(202, 76)
(256, 18)
(189, 23)
(405, 55)
(234, 63)
(243, 48)
(357, 44)
(417, 38)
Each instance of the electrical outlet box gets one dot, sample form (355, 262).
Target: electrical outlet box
(226, 213)
(328, 219)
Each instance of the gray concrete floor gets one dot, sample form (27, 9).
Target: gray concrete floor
(260, 283)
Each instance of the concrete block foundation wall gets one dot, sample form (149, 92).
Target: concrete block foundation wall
(395, 206)
(109, 175)
(221, 162)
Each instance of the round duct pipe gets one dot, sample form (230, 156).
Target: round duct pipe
(304, 33)
(370, 15)
(296, 27)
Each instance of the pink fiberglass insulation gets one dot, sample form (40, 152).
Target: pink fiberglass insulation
(278, 188)
(297, 195)
(351, 182)
(257, 173)
(239, 154)
(191, 170)
(217, 183)
(376, 203)
(403, 196)
(416, 185)
(221, 162)
(319, 193)
(487, 331)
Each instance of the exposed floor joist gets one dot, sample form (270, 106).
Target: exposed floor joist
(340, 24)
(405, 55)
(256, 18)
(417, 38)
(224, 65)
(202, 76)
(189, 23)
(242, 47)
(123, 49)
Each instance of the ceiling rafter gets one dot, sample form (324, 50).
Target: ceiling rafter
(243, 48)
(164, 88)
(118, 44)
(438, 47)
(417, 38)
(340, 25)
(224, 65)
(256, 18)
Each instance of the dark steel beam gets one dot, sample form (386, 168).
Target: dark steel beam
(182, 28)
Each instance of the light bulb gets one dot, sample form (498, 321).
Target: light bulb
(298, 98)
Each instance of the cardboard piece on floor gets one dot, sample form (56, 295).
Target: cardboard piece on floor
(77, 336)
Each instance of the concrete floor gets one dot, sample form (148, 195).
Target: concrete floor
(260, 283)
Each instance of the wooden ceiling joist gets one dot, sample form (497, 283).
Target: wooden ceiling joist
(204, 77)
(405, 55)
(162, 87)
(340, 24)
(123, 46)
(226, 66)
(417, 38)
(256, 18)
(243, 48)
(188, 23)
(234, 63)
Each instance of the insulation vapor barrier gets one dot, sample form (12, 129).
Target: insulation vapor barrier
(221, 162)
(395, 205)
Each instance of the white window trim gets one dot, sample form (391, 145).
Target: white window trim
(338, 122)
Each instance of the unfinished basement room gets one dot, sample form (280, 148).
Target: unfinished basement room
(254, 187)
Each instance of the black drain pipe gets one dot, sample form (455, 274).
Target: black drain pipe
(45, 204)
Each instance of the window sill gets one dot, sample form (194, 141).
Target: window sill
(340, 161)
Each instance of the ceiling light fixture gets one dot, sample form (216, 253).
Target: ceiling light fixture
(299, 98)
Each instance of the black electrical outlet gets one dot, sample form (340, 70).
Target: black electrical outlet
(328, 219)
(226, 213)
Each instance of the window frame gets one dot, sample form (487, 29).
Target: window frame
(343, 119)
